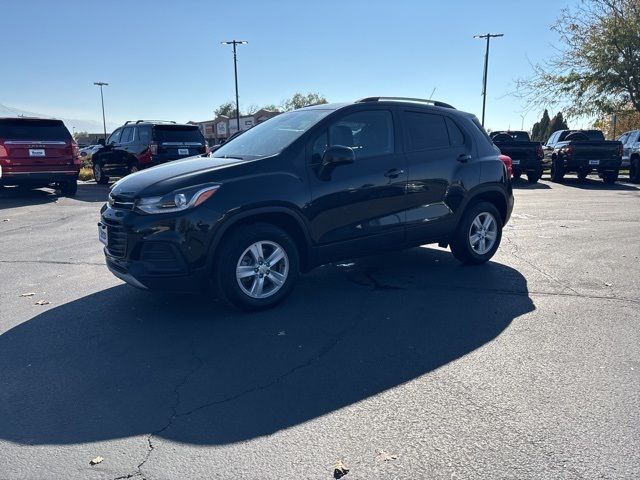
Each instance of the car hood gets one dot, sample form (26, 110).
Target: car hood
(165, 178)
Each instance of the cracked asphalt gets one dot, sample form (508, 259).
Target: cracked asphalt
(406, 365)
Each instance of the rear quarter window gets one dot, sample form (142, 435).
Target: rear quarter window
(27, 129)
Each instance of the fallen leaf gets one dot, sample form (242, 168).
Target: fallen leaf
(340, 470)
(5, 219)
(96, 461)
(564, 226)
(29, 294)
(43, 302)
(383, 456)
(607, 284)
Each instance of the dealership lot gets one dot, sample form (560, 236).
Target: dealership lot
(404, 365)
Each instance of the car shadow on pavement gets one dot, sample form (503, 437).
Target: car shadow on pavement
(597, 184)
(11, 197)
(524, 185)
(123, 362)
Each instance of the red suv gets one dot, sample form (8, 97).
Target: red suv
(37, 152)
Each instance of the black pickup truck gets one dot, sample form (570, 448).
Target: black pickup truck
(582, 151)
(526, 155)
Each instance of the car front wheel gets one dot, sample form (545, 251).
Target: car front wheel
(69, 188)
(98, 174)
(478, 234)
(258, 266)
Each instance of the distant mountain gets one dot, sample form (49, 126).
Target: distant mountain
(80, 125)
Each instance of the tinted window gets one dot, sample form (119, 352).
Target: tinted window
(456, 137)
(369, 133)
(424, 130)
(114, 137)
(27, 129)
(144, 134)
(479, 126)
(271, 137)
(177, 133)
(127, 135)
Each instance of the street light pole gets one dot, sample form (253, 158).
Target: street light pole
(235, 71)
(104, 123)
(488, 36)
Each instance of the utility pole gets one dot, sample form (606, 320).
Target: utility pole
(235, 71)
(104, 123)
(488, 36)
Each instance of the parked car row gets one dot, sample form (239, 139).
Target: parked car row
(572, 151)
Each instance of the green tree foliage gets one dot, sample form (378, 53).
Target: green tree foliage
(540, 128)
(557, 123)
(596, 69)
(299, 100)
(228, 109)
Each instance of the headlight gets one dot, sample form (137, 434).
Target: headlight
(176, 201)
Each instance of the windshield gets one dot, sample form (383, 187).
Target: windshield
(272, 136)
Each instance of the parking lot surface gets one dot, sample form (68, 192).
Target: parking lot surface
(405, 365)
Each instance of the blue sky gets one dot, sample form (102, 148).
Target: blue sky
(163, 59)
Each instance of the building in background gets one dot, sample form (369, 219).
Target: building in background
(219, 129)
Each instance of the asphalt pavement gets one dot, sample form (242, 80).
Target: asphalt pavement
(400, 366)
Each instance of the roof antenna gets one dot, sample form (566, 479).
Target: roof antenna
(432, 92)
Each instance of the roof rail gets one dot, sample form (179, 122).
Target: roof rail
(435, 103)
(148, 121)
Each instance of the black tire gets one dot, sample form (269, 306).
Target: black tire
(234, 249)
(610, 177)
(516, 175)
(461, 245)
(582, 175)
(634, 170)
(69, 189)
(99, 175)
(533, 177)
(557, 170)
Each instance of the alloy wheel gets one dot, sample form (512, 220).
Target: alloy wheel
(483, 233)
(262, 269)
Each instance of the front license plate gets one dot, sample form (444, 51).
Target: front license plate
(594, 162)
(36, 152)
(102, 234)
(183, 151)
(515, 162)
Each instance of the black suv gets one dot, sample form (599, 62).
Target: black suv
(145, 143)
(305, 188)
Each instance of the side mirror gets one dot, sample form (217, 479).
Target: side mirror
(101, 142)
(338, 155)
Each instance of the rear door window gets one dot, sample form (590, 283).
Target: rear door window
(423, 131)
(144, 134)
(177, 133)
(33, 129)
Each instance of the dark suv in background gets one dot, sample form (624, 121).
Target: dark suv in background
(38, 152)
(305, 188)
(145, 143)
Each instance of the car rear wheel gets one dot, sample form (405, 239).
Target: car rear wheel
(98, 174)
(516, 175)
(557, 170)
(69, 188)
(478, 234)
(634, 170)
(610, 177)
(258, 266)
(582, 174)
(533, 177)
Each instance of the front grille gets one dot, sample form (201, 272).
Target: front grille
(122, 203)
(117, 239)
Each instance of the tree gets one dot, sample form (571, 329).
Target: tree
(628, 120)
(597, 68)
(557, 123)
(228, 109)
(540, 128)
(299, 100)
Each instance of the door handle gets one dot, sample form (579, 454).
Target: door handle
(394, 173)
(464, 158)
